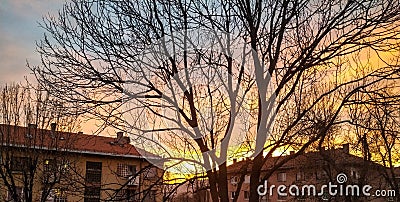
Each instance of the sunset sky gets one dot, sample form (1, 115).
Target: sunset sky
(19, 30)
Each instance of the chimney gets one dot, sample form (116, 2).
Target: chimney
(32, 126)
(234, 160)
(119, 136)
(31, 130)
(53, 127)
(121, 140)
(346, 148)
(125, 140)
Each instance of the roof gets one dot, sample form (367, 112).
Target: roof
(30, 137)
(311, 159)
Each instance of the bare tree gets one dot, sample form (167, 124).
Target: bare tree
(133, 185)
(185, 77)
(24, 165)
(39, 159)
(374, 122)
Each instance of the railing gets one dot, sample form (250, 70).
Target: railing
(133, 181)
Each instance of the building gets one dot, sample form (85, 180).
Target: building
(63, 166)
(302, 173)
(195, 190)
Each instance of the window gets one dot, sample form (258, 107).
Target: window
(233, 194)
(234, 180)
(64, 166)
(124, 170)
(60, 199)
(246, 195)
(93, 177)
(93, 172)
(354, 173)
(19, 164)
(49, 165)
(93, 165)
(92, 194)
(282, 177)
(54, 171)
(60, 195)
(247, 179)
(57, 195)
(20, 194)
(300, 176)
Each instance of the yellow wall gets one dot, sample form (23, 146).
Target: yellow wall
(76, 177)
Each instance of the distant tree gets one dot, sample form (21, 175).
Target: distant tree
(144, 184)
(29, 161)
(185, 76)
(38, 161)
(374, 125)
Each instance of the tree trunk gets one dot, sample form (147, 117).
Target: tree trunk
(223, 183)
(255, 177)
(213, 186)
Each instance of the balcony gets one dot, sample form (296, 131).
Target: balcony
(133, 181)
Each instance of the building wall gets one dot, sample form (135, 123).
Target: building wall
(74, 183)
(318, 174)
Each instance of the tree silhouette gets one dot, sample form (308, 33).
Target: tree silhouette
(197, 80)
(31, 158)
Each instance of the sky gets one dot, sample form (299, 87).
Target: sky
(19, 31)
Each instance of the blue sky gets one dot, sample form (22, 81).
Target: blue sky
(19, 30)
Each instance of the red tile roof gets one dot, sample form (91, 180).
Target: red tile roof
(66, 141)
(337, 156)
